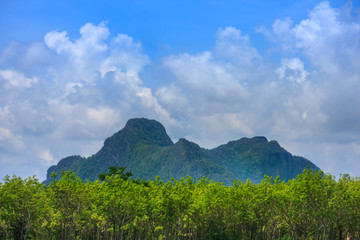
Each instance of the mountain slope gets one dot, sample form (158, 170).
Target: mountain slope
(254, 157)
(145, 149)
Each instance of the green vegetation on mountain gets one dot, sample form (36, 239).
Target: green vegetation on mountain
(312, 206)
(147, 151)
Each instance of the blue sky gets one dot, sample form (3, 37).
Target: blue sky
(162, 26)
(73, 72)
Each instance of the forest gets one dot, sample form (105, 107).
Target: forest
(314, 205)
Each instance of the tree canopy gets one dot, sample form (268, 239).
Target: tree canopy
(312, 206)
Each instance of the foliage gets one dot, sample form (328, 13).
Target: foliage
(312, 206)
(113, 170)
(24, 208)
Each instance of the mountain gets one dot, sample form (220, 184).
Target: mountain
(144, 147)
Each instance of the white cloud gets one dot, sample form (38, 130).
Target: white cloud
(6, 116)
(82, 56)
(77, 91)
(92, 38)
(58, 41)
(83, 90)
(292, 69)
(16, 79)
(10, 142)
(25, 58)
(171, 96)
(231, 91)
(126, 55)
(211, 79)
(127, 78)
(329, 38)
(212, 95)
(233, 45)
(46, 155)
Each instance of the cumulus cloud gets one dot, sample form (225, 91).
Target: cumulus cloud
(79, 60)
(81, 91)
(126, 55)
(213, 89)
(231, 44)
(16, 79)
(201, 70)
(9, 141)
(68, 94)
(310, 96)
(218, 75)
(329, 38)
(292, 69)
(46, 155)
(91, 38)
(29, 59)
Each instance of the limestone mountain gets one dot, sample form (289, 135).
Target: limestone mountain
(144, 147)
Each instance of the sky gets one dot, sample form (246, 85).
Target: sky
(73, 72)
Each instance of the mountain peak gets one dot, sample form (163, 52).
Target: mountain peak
(138, 123)
(186, 144)
(141, 130)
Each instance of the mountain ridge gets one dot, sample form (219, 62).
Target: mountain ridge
(144, 147)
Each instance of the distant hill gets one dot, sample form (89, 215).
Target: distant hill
(144, 147)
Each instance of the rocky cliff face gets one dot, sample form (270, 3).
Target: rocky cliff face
(145, 149)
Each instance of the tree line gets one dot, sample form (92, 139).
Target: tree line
(312, 206)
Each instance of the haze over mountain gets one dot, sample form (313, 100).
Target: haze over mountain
(144, 147)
